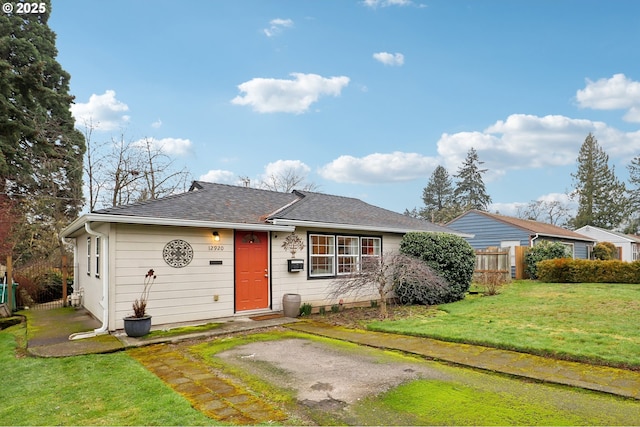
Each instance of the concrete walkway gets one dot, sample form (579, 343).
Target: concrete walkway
(620, 382)
(50, 331)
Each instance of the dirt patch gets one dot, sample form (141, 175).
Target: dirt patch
(358, 317)
(324, 376)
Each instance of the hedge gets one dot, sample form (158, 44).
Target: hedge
(565, 270)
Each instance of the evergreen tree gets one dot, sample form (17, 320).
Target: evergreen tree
(601, 196)
(439, 202)
(40, 150)
(633, 226)
(470, 192)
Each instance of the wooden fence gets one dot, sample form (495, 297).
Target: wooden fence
(498, 260)
(492, 261)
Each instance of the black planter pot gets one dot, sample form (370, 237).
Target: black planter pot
(137, 326)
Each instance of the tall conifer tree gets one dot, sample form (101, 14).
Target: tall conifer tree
(40, 150)
(601, 196)
(439, 203)
(633, 226)
(470, 191)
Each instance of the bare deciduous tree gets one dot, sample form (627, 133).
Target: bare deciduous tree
(159, 175)
(381, 276)
(552, 212)
(93, 165)
(286, 181)
(123, 172)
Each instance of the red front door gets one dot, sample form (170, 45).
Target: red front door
(252, 270)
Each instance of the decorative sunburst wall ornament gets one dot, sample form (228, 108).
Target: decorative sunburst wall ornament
(177, 253)
(293, 243)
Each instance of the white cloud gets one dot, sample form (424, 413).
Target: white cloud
(276, 26)
(379, 168)
(384, 3)
(558, 197)
(169, 146)
(104, 112)
(281, 167)
(389, 58)
(220, 177)
(288, 96)
(615, 93)
(530, 142)
(157, 124)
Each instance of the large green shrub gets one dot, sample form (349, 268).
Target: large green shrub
(588, 271)
(605, 251)
(544, 250)
(450, 256)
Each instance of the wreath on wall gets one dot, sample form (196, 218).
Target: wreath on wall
(293, 243)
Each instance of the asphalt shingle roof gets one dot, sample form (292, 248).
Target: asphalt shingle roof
(326, 208)
(228, 203)
(535, 226)
(210, 202)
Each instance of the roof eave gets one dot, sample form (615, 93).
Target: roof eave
(337, 226)
(559, 236)
(125, 219)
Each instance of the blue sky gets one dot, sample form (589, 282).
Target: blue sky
(364, 97)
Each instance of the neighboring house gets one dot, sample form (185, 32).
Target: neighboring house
(628, 245)
(221, 250)
(493, 230)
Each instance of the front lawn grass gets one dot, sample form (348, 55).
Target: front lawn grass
(593, 322)
(106, 389)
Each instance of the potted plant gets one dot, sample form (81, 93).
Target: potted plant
(139, 324)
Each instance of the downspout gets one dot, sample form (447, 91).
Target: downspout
(105, 287)
(534, 238)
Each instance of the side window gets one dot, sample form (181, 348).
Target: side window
(97, 257)
(88, 256)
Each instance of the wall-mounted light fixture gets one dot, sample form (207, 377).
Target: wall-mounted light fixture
(216, 236)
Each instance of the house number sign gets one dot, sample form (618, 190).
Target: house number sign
(177, 253)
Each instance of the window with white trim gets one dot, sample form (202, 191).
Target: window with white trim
(348, 254)
(340, 255)
(88, 256)
(97, 257)
(321, 255)
(371, 250)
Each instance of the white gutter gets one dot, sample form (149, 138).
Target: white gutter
(558, 236)
(104, 239)
(127, 219)
(317, 224)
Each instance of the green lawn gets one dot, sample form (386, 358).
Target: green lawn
(596, 323)
(114, 389)
(108, 389)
